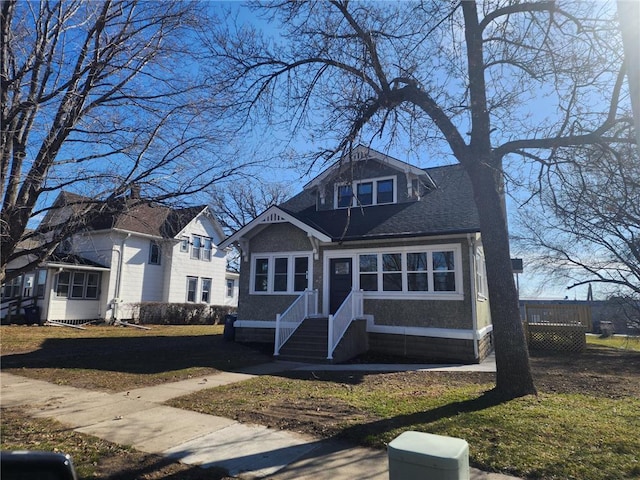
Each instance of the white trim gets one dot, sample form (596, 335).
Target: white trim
(271, 256)
(458, 295)
(268, 217)
(255, 324)
(374, 191)
(458, 334)
(360, 153)
(67, 266)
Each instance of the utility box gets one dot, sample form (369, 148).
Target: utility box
(423, 456)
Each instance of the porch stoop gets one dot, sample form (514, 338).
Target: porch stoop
(308, 344)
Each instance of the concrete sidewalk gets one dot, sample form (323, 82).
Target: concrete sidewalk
(137, 418)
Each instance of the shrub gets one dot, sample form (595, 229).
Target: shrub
(159, 313)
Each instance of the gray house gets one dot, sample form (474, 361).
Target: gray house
(374, 254)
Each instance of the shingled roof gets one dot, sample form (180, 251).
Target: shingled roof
(130, 214)
(447, 209)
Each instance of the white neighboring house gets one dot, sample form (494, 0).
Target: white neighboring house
(143, 252)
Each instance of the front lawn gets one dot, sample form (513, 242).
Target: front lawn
(121, 358)
(582, 425)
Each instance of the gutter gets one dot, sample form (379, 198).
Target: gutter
(473, 295)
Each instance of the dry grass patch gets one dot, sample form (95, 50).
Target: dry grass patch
(121, 358)
(94, 458)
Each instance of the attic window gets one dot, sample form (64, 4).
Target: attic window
(376, 191)
(345, 196)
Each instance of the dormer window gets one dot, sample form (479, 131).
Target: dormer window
(345, 196)
(377, 191)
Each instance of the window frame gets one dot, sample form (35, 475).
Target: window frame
(184, 244)
(188, 290)
(205, 281)
(482, 288)
(271, 258)
(154, 245)
(405, 293)
(231, 286)
(355, 187)
(90, 283)
(41, 282)
(67, 283)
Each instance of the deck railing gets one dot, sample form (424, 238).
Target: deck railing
(351, 308)
(557, 327)
(287, 323)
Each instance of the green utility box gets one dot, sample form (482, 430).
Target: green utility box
(423, 456)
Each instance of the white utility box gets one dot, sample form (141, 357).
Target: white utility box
(423, 456)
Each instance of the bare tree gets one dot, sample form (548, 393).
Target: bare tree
(98, 97)
(239, 202)
(490, 81)
(585, 223)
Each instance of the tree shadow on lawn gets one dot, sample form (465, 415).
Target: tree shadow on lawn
(362, 433)
(139, 355)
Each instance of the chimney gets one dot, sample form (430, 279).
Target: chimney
(134, 193)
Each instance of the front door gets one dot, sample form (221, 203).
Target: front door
(340, 282)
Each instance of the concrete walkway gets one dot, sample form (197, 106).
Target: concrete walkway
(138, 419)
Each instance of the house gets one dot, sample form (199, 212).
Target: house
(374, 254)
(138, 252)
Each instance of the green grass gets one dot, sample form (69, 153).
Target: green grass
(121, 358)
(18, 339)
(550, 436)
(616, 341)
(93, 458)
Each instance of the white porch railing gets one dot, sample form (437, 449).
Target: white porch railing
(351, 308)
(287, 323)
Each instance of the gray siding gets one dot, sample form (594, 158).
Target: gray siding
(368, 169)
(281, 237)
(422, 313)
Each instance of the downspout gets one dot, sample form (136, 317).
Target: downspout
(116, 293)
(474, 295)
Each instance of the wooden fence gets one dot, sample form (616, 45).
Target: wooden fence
(557, 327)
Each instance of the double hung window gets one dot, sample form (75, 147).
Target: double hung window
(155, 253)
(205, 295)
(77, 285)
(201, 248)
(206, 252)
(367, 192)
(196, 247)
(63, 280)
(345, 196)
(41, 282)
(410, 271)
(280, 273)
(11, 289)
(192, 288)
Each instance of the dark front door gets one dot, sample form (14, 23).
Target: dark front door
(340, 282)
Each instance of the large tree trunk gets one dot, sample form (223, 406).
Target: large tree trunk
(513, 376)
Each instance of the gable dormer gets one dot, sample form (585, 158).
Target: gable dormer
(367, 178)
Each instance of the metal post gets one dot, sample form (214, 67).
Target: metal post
(330, 339)
(276, 344)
